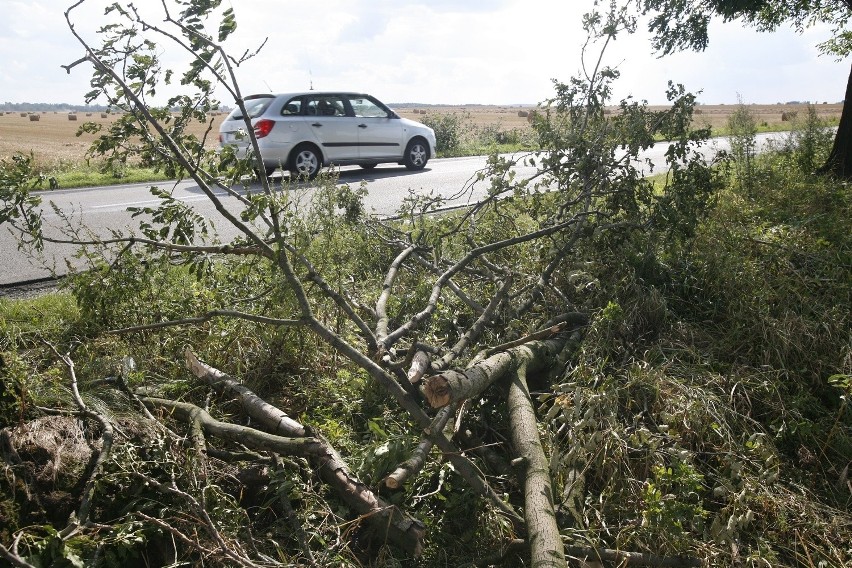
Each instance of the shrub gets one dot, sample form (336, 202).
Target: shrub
(809, 142)
(743, 129)
(448, 131)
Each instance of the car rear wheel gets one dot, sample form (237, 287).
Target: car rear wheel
(416, 154)
(305, 161)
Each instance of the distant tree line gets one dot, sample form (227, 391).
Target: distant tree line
(39, 107)
(65, 107)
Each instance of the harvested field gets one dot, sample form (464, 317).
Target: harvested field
(53, 141)
(716, 116)
(479, 115)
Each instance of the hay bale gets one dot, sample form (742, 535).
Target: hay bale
(23, 114)
(103, 115)
(523, 113)
(88, 114)
(788, 116)
(34, 118)
(72, 116)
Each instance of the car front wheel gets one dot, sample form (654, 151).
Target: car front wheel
(305, 162)
(416, 155)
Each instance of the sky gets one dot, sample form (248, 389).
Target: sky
(490, 52)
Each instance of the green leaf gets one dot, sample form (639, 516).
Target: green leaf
(228, 25)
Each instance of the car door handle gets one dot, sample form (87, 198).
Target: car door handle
(317, 124)
(362, 126)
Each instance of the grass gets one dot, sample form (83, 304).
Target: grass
(87, 176)
(41, 315)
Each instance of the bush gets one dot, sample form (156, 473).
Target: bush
(809, 142)
(448, 131)
(743, 129)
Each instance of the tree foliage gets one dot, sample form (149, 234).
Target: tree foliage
(683, 24)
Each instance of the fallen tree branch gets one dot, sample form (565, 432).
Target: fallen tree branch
(273, 419)
(556, 325)
(546, 547)
(382, 303)
(415, 463)
(249, 437)
(386, 519)
(454, 386)
(419, 364)
(633, 558)
(14, 559)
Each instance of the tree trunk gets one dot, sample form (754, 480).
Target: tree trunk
(455, 386)
(839, 162)
(546, 549)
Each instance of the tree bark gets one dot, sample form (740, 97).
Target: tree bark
(272, 418)
(249, 437)
(624, 558)
(415, 463)
(839, 162)
(455, 386)
(419, 366)
(546, 549)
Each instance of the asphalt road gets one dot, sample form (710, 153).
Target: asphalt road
(102, 209)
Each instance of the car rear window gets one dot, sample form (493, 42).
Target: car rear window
(254, 107)
(293, 107)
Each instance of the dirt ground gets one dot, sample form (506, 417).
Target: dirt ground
(53, 141)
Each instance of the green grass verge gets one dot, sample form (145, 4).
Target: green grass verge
(87, 176)
(39, 316)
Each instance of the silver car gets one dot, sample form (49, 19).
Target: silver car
(302, 132)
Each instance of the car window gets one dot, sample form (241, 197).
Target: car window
(293, 107)
(365, 108)
(325, 105)
(254, 107)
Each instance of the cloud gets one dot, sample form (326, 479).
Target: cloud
(439, 51)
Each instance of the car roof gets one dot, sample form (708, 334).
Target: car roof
(303, 93)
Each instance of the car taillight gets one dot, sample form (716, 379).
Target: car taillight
(263, 127)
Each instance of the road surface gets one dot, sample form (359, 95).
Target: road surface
(102, 209)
